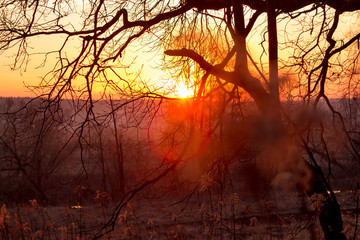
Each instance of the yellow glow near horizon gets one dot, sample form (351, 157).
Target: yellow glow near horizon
(12, 83)
(183, 91)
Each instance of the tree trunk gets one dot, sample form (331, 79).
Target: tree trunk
(275, 141)
(325, 203)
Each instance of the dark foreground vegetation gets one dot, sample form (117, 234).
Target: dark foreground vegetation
(57, 186)
(259, 151)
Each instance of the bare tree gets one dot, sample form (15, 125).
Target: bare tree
(33, 152)
(105, 31)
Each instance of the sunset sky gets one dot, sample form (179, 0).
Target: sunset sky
(12, 83)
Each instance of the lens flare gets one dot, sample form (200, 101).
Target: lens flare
(183, 91)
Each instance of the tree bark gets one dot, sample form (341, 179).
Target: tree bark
(283, 6)
(273, 52)
(275, 137)
(328, 208)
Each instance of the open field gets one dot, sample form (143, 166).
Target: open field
(278, 217)
(73, 192)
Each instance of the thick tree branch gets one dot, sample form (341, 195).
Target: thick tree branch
(351, 41)
(241, 79)
(273, 50)
(252, 21)
(325, 63)
(214, 70)
(283, 6)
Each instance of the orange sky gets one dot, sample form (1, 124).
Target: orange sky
(12, 83)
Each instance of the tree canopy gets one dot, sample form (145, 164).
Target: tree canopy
(302, 54)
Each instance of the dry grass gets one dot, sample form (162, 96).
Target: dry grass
(227, 218)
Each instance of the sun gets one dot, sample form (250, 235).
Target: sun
(183, 91)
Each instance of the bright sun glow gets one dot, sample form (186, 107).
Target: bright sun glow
(184, 91)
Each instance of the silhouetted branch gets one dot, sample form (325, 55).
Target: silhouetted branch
(214, 70)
